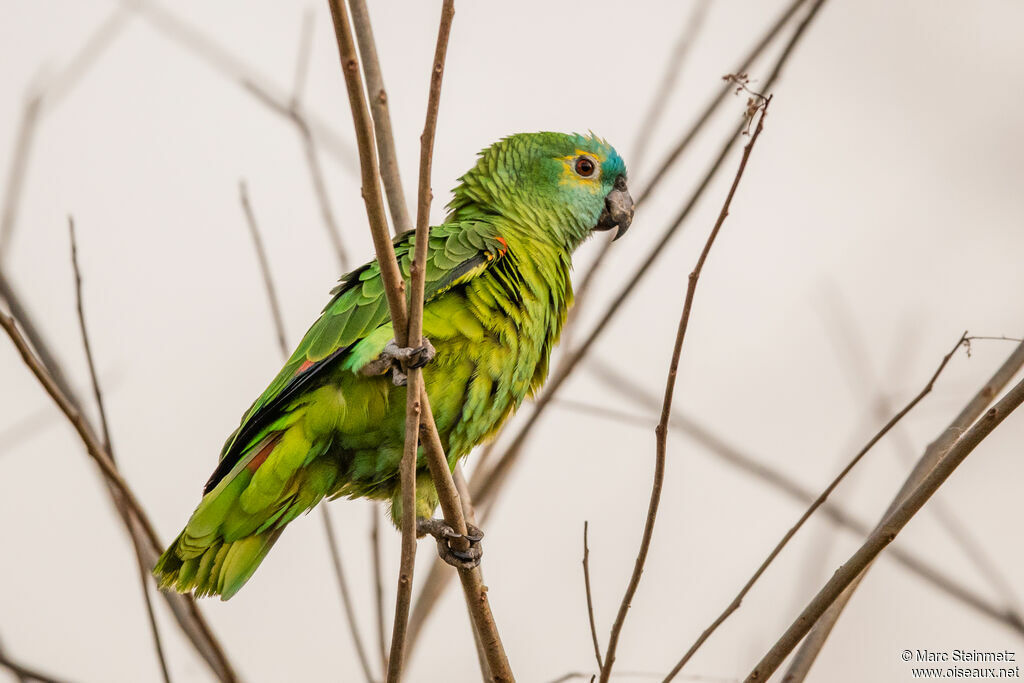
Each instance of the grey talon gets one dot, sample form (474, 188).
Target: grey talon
(444, 534)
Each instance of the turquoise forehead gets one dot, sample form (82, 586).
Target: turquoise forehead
(613, 164)
(557, 145)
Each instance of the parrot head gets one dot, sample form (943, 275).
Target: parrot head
(564, 186)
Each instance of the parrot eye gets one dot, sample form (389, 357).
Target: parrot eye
(585, 167)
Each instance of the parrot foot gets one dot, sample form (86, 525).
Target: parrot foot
(394, 358)
(444, 534)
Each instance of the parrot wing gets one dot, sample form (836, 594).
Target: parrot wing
(458, 252)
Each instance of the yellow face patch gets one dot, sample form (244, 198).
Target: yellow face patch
(570, 176)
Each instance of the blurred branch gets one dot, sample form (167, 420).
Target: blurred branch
(264, 264)
(137, 523)
(23, 673)
(486, 483)
(108, 443)
(261, 87)
(476, 595)
(948, 459)
(738, 600)
(718, 446)
(669, 78)
(42, 100)
(332, 545)
(934, 453)
(744, 66)
(378, 584)
(400, 221)
(590, 598)
(661, 431)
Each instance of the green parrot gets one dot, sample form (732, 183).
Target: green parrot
(332, 423)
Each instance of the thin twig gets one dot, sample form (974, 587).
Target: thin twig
(414, 333)
(756, 467)
(139, 527)
(737, 601)
(378, 584)
(390, 176)
(669, 78)
(264, 264)
(812, 645)
(144, 577)
(949, 460)
(661, 431)
(278, 322)
(590, 597)
(476, 594)
(486, 483)
(346, 597)
(257, 84)
(745, 64)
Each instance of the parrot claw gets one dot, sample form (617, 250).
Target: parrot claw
(406, 357)
(444, 534)
(395, 359)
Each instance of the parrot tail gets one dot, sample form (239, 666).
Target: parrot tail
(275, 480)
(220, 569)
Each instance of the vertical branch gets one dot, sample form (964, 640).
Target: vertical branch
(391, 277)
(815, 641)
(378, 584)
(415, 386)
(590, 598)
(278, 320)
(384, 135)
(669, 76)
(661, 431)
(886, 532)
(108, 444)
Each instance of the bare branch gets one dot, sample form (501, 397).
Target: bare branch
(590, 598)
(661, 431)
(669, 78)
(808, 652)
(737, 601)
(378, 584)
(261, 257)
(108, 443)
(948, 461)
(332, 545)
(346, 596)
(261, 87)
(23, 673)
(757, 468)
(485, 483)
(476, 594)
(392, 179)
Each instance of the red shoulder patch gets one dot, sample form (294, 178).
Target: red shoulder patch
(306, 365)
(504, 246)
(264, 453)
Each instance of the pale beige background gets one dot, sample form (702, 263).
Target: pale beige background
(885, 192)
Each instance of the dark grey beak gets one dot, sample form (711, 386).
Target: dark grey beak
(618, 210)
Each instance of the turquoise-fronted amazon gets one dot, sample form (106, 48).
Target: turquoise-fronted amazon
(332, 422)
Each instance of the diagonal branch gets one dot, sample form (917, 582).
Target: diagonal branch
(738, 600)
(949, 459)
(385, 138)
(332, 545)
(757, 468)
(661, 431)
(808, 652)
(391, 277)
(108, 444)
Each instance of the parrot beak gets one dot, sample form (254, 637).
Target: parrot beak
(618, 210)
